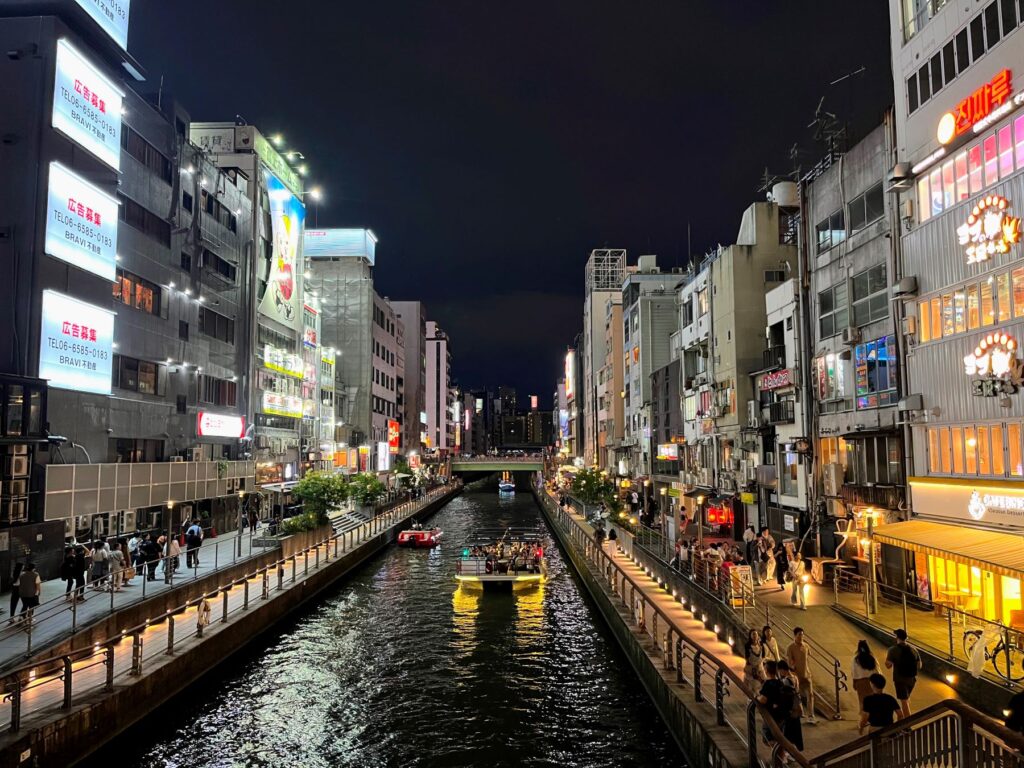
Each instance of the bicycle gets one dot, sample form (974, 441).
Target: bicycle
(1007, 657)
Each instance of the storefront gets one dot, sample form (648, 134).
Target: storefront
(968, 554)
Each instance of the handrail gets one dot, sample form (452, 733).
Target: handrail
(722, 671)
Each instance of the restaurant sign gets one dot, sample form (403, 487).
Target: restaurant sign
(777, 379)
(978, 107)
(993, 504)
(989, 230)
(994, 367)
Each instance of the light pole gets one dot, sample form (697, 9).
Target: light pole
(699, 517)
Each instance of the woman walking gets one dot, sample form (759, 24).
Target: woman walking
(781, 566)
(770, 644)
(864, 666)
(753, 670)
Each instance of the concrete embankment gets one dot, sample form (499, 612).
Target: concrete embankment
(697, 728)
(126, 681)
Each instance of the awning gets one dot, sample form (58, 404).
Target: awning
(994, 551)
(718, 501)
(864, 434)
(695, 493)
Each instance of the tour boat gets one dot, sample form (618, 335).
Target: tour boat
(506, 485)
(424, 538)
(502, 559)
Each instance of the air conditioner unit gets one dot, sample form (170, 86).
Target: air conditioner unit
(17, 487)
(177, 459)
(126, 521)
(909, 325)
(69, 527)
(16, 466)
(705, 477)
(713, 412)
(851, 335)
(750, 472)
(196, 454)
(82, 523)
(907, 286)
(700, 379)
(832, 478)
(753, 414)
(734, 464)
(21, 449)
(99, 526)
(836, 508)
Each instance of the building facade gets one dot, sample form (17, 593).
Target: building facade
(605, 271)
(413, 318)
(440, 392)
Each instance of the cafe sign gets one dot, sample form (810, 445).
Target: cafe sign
(989, 229)
(994, 367)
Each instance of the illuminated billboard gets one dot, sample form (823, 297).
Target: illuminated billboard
(570, 373)
(383, 457)
(87, 106)
(563, 423)
(220, 425)
(112, 16)
(283, 362)
(393, 436)
(81, 223)
(282, 405)
(333, 243)
(668, 452)
(281, 300)
(533, 402)
(75, 344)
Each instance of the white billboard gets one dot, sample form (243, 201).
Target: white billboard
(112, 16)
(334, 243)
(87, 105)
(81, 223)
(75, 344)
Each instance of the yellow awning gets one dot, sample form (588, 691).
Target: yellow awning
(991, 550)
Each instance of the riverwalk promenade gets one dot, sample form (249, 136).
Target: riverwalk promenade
(52, 705)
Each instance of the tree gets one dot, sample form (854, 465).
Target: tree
(400, 467)
(591, 486)
(365, 488)
(320, 493)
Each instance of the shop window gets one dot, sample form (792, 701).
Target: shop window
(876, 461)
(957, 440)
(948, 185)
(973, 316)
(924, 326)
(991, 160)
(1018, 292)
(936, 318)
(947, 314)
(137, 292)
(945, 451)
(1018, 132)
(988, 313)
(970, 451)
(924, 207)
(875, 366)
(870, 296)
(1005, 136)
(789, 469)
(1003, 293)
(833, 315)
(984, 452)
(960, 311)
(998, 454)
(134, 375)
(1013, 450)
(974, 168)
(963, 190)
(830, 372)
(936, 191)
(934, 466)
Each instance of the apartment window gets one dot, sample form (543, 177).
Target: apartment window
(992, 33)
(181, 404)
(217, 210)
(186, 261)
(875, 461)
(136, 375)
(936, 72)
(215, 263)
(137, 292)
(866, 208)
(183, 330)
(875, 373)
(977, 38)
(131, 451)
(216, 325)
(870, 296)
(833, 314)
(830, 231)
(912, 100)
(186, 201)
(687, 312)
(217, 391)
(703, 305)
(963, 53)
(136, 146)
(145, 221)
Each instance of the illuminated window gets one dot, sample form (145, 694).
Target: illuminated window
(958, 450)
(924, 322)
(991, 160)
(944, 448)
(136, 292)
(924, 206)
(1005, 151)
(962, 188)
(875, 367)
(960, 311)
(1018, 292)
(974, 168)
(937, 197)
(933, 450)
(947, 314)
(1018, 132)
(1003, 292)
(973, 318)
(988, 315)
(998, 450)
(830, 377)
(1013, 450)
(984, 452)
(971, 450)
(936, 318)
(949, 185)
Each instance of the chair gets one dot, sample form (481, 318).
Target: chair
(972, 605)
(1017, 620)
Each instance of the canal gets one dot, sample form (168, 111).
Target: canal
(400, 667)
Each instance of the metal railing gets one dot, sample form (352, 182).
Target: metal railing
(50, 683)
(712, 683)
(773, 357)
(937, 625)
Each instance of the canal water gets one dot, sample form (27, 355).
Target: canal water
(398, 666)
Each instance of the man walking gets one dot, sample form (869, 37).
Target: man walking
(29, 587)
(798, 656)
(905, 663)
(193, 540)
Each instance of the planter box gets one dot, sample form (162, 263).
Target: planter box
(297, 542)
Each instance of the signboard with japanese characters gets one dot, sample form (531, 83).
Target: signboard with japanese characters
(777, 379)
(81, 223)
(282, 405)
(220, 425)
(87, 105)
(75, 344)
(994, 367)
(989, 229)
(394, 436)
(979, 107)
(112, 16)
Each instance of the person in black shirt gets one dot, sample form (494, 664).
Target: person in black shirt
(880, 709)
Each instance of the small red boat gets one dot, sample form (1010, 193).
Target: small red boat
(420, 538)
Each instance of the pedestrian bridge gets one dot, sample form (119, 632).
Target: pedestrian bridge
(497, 464)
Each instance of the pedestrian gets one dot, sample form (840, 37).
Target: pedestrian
(781, 566)
(905, 662)
(193, 540)
(878, 709)
(133, 549)
(129, 562)
(29, 588)
(749, 538)
(798, 656)
(753, 670)
(80, 568)
(100, 564)
(117, 566)
(790, 707)
(254, 520)
(67, 572)
(864, 666)
(15, 598)
(172, 555)
(151, 554)
(770, 697)
(797, 575)
(613, 538)
(770, 644)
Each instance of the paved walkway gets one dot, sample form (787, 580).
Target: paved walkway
(830, 630)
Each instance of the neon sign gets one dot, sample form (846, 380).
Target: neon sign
(989, 230)
(994, 366)
(980, 504)
(976, 107)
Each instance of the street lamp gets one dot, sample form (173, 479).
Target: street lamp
(700, 521)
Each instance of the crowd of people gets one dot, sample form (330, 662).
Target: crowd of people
(511, 557)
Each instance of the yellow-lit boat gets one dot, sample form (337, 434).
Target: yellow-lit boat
(502, 560)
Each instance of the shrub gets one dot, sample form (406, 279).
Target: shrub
(320, 493)
(300, 523)
(366, 489)
(591, 487)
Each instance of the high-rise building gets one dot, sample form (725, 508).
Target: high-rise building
(440, 392)
(605, 271)
(610, 393)
(413, 317)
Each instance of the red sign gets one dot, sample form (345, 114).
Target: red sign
(976, 107)
(393, 436)
(776, 380)
(414, 461)
(364, 458)
(220, 425)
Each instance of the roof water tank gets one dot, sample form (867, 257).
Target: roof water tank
(785, 195)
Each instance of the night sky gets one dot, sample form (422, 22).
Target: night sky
(491, 145)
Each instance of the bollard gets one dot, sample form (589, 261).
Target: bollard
(305, 556)
(109, 661)
(293, 568)
(266, 585)
(136, 654)
(245, 595)
(679, 661)
(74, 605)
(317, 563)
(280, 576)
(67, 683)
(170, 635)
(335, 547)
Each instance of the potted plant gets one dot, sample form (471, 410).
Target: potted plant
(365, 489)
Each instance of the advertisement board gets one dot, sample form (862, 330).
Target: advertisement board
(112, 16)
(570, 373)
(75, 344)
(364, 458)
(283, 362)
(282, 405)
(383, 457)
(86, 105)
(281, 301)
(563, 423)
(81, 223)
(220, 425)
(394, 436)
(333, 243)
(414, 461)
(668, 452)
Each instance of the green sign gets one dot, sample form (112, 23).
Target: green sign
(278, 165)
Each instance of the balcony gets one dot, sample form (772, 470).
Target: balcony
(781, 412)
(773, 358)
(885, 496)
